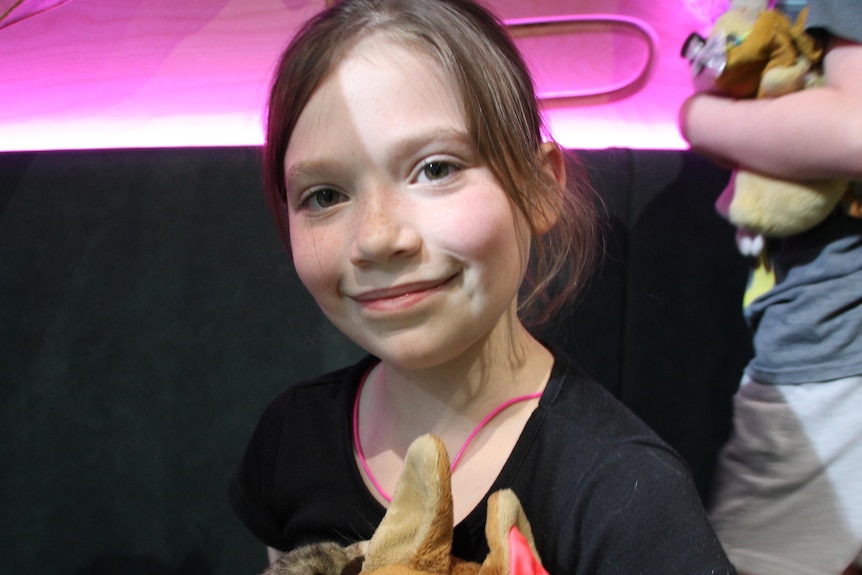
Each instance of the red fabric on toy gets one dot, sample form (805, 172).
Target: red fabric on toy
(521, 558)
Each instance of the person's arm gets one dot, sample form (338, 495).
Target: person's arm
(810, 134)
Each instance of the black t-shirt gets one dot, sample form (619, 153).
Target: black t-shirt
(602, 492)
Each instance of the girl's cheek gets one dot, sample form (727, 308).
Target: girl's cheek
(477, 227)
(309, 260)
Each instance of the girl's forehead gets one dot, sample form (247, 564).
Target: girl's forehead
(408, 70)
(381, 92)
(388, 49)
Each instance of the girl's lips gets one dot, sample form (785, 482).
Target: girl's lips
(400, 297)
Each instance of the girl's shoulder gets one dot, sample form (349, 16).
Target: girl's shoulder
(323, 389)
(585, 415)
(311, 408)
(298, 466)
(575, 395)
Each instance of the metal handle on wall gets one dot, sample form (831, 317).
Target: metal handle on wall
(551, 25)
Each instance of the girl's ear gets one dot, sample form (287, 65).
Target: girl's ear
(553, 162)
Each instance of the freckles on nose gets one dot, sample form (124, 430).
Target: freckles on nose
(381, 230)
(371, 230)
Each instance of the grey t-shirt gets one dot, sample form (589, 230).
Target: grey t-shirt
(837, 17)
(809, 326)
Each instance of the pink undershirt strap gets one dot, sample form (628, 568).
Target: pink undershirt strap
(357, 444)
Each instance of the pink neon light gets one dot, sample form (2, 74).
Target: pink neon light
(162, 73)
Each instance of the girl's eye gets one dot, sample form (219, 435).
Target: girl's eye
(322, 198)
(436, 170)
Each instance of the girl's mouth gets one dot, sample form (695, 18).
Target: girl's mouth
(401, 297)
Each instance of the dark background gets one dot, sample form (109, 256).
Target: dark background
(148, 313)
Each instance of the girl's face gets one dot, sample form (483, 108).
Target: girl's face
(406, 241)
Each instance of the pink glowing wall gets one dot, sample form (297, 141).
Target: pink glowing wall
(179, 73)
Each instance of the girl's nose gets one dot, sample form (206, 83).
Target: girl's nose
(384, 229)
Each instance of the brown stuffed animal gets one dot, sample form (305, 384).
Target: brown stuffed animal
(767, 56)
(415, 536)
(754, 52)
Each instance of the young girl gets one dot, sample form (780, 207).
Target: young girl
(406, 170)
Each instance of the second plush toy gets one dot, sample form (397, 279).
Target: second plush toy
(755, 52)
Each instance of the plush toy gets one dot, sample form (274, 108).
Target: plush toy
(415, 536)
(753, 52)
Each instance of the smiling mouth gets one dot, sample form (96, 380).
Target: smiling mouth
(401, 297)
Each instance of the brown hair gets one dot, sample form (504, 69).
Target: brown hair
(501, 115)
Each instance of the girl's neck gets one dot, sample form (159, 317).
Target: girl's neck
(456, 403)
(487, 373)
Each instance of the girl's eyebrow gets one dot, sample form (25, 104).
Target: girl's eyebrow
(446, 136)
(435, 141)
(304, 170)
(403, 149)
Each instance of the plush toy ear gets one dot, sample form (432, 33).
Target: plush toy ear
(510, 538)
(416, 531)
(809, 46)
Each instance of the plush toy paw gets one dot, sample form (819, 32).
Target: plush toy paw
(781, 80)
